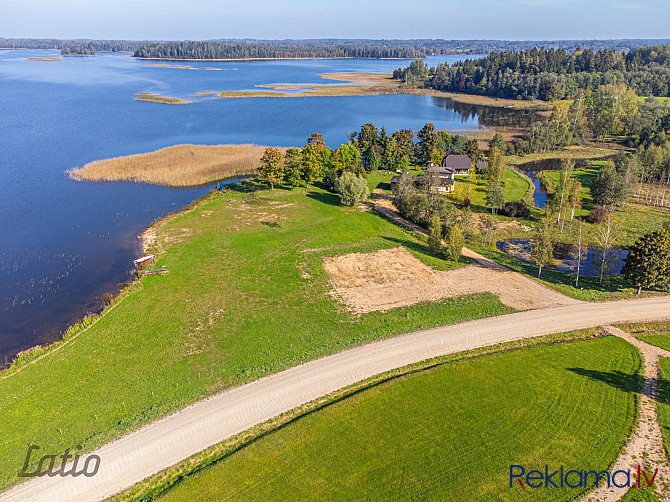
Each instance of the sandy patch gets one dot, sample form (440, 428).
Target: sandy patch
(391, 278)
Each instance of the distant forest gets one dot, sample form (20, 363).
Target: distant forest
(547, 74)
(261, 50)
(244, 48)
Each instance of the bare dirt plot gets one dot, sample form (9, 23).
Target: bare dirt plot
(391, 278)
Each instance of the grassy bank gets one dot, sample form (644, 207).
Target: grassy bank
(246, 296)
(588, 151)
(454, 433)
(176, 166)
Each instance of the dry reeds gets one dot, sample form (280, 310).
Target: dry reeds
(176, 166)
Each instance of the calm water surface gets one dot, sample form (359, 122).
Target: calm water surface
(64, 245)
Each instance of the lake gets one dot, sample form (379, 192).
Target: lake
(65, 245)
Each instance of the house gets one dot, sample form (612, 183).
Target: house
(442, 179)
(460, 165)
(482, 165)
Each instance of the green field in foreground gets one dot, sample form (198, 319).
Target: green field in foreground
(246, 296)
(449, 433)
(655, 333)
(663, 410)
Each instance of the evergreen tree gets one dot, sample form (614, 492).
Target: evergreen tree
(608, 188)
(648, 262)
(498, 142)
(427, 143)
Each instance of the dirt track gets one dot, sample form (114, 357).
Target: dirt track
(645, 447)
(161, 444)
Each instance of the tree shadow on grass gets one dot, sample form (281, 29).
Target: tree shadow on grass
(325, 197)
(249, 186)
(637, 384)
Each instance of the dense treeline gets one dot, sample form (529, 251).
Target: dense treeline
(367, 150)
(548, 74)
(424, 46)
(55, 43)
(71, 50)
(262, 50)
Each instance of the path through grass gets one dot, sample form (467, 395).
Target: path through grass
(449, 433)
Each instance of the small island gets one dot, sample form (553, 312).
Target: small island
(155, 98)
(78, 50)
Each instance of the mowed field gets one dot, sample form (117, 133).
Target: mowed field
(449, 433)
(246, 296)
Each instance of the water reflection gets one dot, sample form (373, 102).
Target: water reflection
(565, 257)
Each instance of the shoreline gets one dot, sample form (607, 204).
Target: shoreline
(148, 237)
(313, 58)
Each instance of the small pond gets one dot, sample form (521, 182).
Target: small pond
(565, 259)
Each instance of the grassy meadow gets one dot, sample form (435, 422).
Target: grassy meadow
(655, 333)
(633, 221)
(176, 166)
(370, 446)
(246, 296)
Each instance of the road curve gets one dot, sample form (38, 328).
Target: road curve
(165, 442)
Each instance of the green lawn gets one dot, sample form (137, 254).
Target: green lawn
(514, 188)
(246, 296)
(643, 494)
(450, 433)
(663, 404)
(655, 333)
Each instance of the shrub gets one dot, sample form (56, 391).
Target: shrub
(515, 209)
(351, 188)
(329, 179)
(597, 215)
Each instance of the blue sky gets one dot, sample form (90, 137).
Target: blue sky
(462, 19)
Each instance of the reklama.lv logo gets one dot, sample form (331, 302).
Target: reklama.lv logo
(577, 478)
